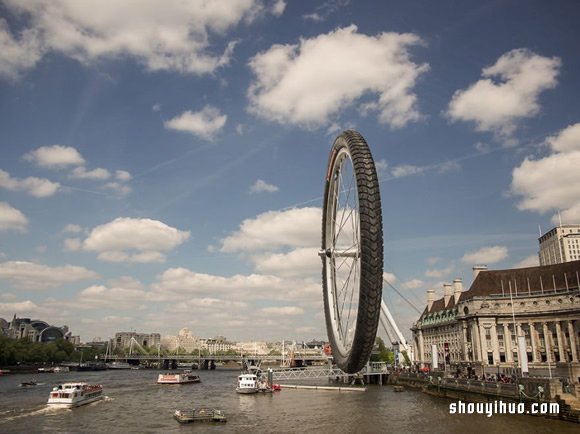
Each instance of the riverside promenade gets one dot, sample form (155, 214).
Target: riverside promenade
(527, 390)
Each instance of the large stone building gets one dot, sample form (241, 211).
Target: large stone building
(35, 330)
(561, 244)
(125, 340)
(479, 327)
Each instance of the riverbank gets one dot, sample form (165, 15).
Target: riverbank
(526, 391)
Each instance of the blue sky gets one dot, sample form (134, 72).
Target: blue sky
(162, 163)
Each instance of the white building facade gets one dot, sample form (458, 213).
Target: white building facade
(561, 244)
(480, 327)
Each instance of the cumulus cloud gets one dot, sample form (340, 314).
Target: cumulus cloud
(134, 240)
(283, 310)
(413, 284)
(205, 123)
(486, 255)
(302, 262)
(11, 218)
(530, 261)
(552, 182)
(261, 186)
(111, 298)
(29, 275)
(308, 83)
(406, 170)
(55, 157)
(174, 36)
(389, 277)
(297, 227)
(175, 283)
(497, 106)
(324, 10)
(37, 187)
(17, 54)
(82, 173)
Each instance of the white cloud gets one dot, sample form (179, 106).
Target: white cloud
(406, 170)
(278, 8)
(262, 186)
(17, 54)
(205, 123)
(118, 188)
(498, 106)
(11, 218)
(123, 175)
(552, 182)
(72, 228)
(389, 277)
(530, 261)
(134, 240)
(324, 10)
(297, 227)
(180, 283)
(82, 173)
(309, 83)
(439, 273)
(29, 275)
(73, 244)
(302, 262)
(413, 284)
(37, 187)
(486, 255)
(282, 311)
(55, 157)
(174, 36)
(20, 308)
(111, 298)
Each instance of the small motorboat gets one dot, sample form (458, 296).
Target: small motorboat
(199, 415)
(28, 384)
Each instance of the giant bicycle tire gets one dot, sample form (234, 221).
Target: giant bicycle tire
(352, 251)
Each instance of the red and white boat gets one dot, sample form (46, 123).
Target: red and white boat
(184, 377)
(70, 395)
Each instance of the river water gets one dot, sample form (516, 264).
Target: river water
(134, 403)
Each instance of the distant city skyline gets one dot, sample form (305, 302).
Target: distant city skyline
(162, 164)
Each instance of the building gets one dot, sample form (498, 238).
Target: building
(125, 340)
(35, 330)
(561, 244)
(479, 327)
(184, 341)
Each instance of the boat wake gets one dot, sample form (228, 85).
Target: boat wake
(10, 415)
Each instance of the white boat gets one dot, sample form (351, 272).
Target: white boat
(247, 383)
(70, 395)
(186, 376)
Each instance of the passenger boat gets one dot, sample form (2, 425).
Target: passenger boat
(186, 376)
(247, 383)
(70, 395)
(199, 415)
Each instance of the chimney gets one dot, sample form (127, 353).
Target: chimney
(430, 298)
(447, 292)
(477, 269)
(458, 289)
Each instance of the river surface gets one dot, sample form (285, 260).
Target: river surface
(134, 403)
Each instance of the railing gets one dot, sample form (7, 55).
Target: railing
(223, 358)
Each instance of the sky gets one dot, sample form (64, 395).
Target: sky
(162, 163)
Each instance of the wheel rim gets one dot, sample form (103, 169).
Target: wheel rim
(342, 251)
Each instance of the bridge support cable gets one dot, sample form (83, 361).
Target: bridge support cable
(387, 319)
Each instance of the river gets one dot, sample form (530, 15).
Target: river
(134, 403)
